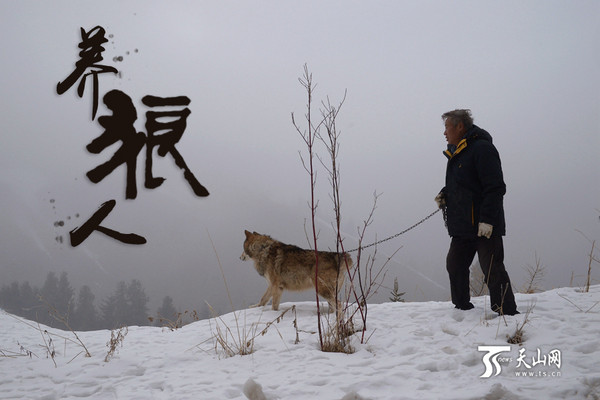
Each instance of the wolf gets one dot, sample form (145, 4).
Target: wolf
(289, 267)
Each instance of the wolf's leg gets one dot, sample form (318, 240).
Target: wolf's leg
(334, 305)
(264, 299)
(277, 291)
(328, 295)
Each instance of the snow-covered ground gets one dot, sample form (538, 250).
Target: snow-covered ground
(423, 350)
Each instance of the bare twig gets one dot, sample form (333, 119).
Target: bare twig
(589, 272)
(592, 258)
(48, 345)
(308, 137)
(65, 321)
(579, 308)
(535, 276)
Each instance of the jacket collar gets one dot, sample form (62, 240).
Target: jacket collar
(472, 134)
(454, 150)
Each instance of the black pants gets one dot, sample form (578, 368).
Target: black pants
(491, 259)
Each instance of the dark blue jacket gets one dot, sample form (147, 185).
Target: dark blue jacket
(475, 186)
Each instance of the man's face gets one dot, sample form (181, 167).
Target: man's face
(454, 133)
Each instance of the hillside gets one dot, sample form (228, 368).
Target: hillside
(423, 350)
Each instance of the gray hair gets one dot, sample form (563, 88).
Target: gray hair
(457, 116)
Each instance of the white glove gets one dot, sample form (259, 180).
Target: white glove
(440, 200)
(485, 230)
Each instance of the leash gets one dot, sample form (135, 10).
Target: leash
(403, 232)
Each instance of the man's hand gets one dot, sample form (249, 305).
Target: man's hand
(440, 199)
(485, 230)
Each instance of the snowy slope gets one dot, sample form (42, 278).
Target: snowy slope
(416, 351)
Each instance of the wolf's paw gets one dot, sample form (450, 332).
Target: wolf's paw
(254, 306)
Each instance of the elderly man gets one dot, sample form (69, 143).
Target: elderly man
(473, 198)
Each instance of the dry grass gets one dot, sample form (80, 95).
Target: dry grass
(338, 335)
(117, 337)
(519, 336)
(64, 319)
(23, 352)
(593, 258)
(579, 308)
(48, 345)
(228, 342)
(239, 340)
(239, 343)
(48, 339)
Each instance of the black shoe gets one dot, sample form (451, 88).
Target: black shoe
(510, 313)
(465, 307)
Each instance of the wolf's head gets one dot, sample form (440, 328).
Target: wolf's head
(254, 244)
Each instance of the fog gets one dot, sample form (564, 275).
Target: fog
(527, 70)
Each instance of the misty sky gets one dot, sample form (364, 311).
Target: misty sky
(529, 71)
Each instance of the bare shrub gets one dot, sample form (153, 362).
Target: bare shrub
(117, 336)
(536, 274)
(363, 282)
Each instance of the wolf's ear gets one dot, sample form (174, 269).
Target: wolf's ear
(248, 234)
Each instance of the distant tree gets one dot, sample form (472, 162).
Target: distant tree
(114, 308)
(50, 296)
(29, 302)
(137, 302)
(85, 315)
(10, 297)
(56, 297)
(166, 315)
(4, 297)
(65, 297)
(21, 300)
(49, 290)
(107, 313)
